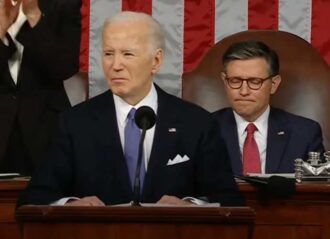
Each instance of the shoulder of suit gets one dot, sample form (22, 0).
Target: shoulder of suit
(222, 112)
(181, 105)
(292, 118)
(99, 101)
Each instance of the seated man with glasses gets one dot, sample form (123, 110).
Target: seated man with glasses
(260, 138)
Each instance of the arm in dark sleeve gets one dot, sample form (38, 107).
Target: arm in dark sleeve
(54, 42)
(316, 139)
(53, 179)
(216, 179)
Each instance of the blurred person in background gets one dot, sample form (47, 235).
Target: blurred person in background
(39, 49)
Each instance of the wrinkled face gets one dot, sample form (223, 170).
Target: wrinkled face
(248, 103)
(129, 60)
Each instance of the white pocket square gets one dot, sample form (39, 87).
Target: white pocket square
(178, 159)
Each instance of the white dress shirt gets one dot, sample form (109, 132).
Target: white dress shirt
(260, 135)
(122, 110)
(14, 62)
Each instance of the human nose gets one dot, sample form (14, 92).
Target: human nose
(117, 63)
(244, 90)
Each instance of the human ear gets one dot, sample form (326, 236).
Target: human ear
(276, 80)
(157, 61)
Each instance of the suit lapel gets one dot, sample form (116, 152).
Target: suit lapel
(7, 77)
(229, 133)
(107, 135)
(5, 74)
(278, 135)
(165, 133)
(165, 138)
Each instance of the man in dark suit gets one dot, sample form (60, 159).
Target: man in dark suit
(89, 163)
(250, 77)
(39, 48)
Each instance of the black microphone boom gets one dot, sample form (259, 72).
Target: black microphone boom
(145, 118)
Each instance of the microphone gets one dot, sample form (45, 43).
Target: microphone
(277, 186)
(145, 118)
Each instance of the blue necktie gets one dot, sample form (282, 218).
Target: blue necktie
(131, 148)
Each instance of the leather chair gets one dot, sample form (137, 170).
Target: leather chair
(305, 86)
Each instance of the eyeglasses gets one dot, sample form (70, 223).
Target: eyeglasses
(254, 83)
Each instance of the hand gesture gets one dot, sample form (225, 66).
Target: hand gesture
(8, 13)
(32, 11)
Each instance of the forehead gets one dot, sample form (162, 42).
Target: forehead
(253, 67)
(126, 31)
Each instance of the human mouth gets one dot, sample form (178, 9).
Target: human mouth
(118, 79)
(244, 100)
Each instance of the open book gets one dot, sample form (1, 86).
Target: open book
(268, 175)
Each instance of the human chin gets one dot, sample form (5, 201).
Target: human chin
(119, 90)
(242, 104)
(245, 114)
(242, 110)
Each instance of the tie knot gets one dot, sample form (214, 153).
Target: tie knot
(251, 128)
(131, 114)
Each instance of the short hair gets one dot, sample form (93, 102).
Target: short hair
(249, 50)
(155, 29)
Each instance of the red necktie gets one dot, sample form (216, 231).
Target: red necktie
(251, 156)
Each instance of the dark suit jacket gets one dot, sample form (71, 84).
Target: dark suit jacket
(51, 55)
(87, 157)
(300, 136)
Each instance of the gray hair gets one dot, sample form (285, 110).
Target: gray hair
(156, 33)
(249, 50)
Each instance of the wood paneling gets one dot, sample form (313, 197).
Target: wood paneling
(135, 222)
(9, 192)
(303, 215)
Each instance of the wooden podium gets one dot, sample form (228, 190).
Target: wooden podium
(304, 215)
(9, 192)
(58, 222)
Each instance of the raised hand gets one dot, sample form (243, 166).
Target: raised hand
(32, 11)
(8, 13)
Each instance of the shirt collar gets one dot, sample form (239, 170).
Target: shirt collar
(123, 108)
(261, 122)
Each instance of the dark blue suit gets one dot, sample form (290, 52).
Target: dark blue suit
(289, 137)
(87, 157)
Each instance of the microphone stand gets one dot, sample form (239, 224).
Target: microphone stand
(137, 183)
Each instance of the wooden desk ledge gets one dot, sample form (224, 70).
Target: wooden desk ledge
(128, 214)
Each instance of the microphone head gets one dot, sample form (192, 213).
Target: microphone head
(145, 117)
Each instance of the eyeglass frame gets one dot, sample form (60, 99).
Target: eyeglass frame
(247, 81)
